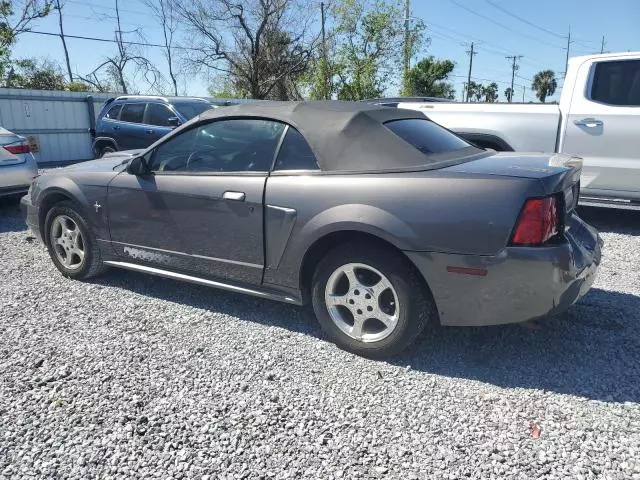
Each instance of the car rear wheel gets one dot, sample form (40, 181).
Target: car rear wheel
(370, 300)
(72, 246)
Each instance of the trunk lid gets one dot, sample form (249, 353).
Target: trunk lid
(558, 173)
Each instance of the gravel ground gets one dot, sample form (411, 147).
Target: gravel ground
(131, 376)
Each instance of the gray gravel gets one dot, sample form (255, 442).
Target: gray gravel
(132, 376)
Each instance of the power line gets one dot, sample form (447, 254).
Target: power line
(489, 19)
(524, 20)
(108, 40)
(104, 7)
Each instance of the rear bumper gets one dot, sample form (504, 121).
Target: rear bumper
(30, 215)
(520, 283)
(15, 179)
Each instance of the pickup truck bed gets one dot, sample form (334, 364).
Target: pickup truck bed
(522, 127)
(597, 119)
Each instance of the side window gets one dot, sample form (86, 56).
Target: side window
(113, 112)
(295, 153)
(617, 83)
(173, 155)
(238, 145)
(133, 112)
(158, 114)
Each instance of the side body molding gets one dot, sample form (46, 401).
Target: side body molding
(279, 222)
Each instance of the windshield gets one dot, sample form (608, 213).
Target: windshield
(427, 136)
(190, 109)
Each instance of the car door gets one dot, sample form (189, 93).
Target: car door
(603, 125)
(200, 207)
(131, 131)
(157, 121)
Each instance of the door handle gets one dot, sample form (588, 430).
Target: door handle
(588, 122)
(116, 127)
(236, 196)
(149, 131)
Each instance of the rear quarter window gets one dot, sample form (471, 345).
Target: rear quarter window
(133, 112)
(427, 136)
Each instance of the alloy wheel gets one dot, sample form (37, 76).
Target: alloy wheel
(362, 302)
(67, 242)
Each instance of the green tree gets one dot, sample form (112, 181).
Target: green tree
(78, 87)
(475, 91)
(16, 17)
(508, 93)
(544, 84)
(490, 92)
(428, 78)
(369, 46)
(34, 74)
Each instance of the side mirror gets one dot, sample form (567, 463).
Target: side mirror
(174, 122)
(137, 166)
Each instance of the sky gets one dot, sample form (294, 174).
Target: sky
(498, 28)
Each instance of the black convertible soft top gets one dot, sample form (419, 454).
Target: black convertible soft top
(346, 136)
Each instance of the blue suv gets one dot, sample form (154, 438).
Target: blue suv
(131, 122)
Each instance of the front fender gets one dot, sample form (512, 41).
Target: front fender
(85, 197)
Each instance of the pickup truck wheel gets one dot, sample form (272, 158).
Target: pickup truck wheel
(106, 149)
(369, 300)
(72, 246)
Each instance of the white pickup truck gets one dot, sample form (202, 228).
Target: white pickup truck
(598, 119)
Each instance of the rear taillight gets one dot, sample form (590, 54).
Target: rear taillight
(538, 222)
(15, 149)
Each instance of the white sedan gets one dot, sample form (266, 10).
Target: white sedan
(18, 166)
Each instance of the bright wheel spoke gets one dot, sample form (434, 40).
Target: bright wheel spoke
(334, 300)
(357, 328)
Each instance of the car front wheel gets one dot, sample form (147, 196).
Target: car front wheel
(72, 246)
(370, 300)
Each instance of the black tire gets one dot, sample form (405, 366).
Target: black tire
(92, 264)
(415, 303)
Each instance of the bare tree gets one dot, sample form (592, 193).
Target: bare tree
(164, 12)
(114, 68)
(59, 6)
(262, 46)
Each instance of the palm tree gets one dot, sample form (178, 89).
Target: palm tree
(508, 93)
(490, 92)
(544, 84)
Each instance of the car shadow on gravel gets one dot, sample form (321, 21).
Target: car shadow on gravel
(592, 351)
(244, 307)
(625, 222)
(10, 215)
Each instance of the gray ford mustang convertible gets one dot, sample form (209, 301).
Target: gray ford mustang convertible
(378, 218)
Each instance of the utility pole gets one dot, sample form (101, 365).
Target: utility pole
(602, 45)
(325, 76)
(569, 42)
(464, 89)
(58, 7)
(523, 90)
(514, 68)
(407, 46)
(471, 54)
